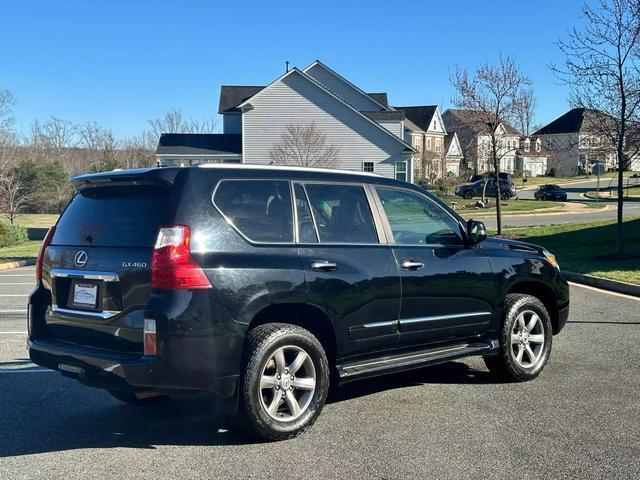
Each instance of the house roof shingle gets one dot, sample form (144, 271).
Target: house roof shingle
(380, 98)
(420, 115)
(378, 115)
(199, 144)
(233, 95)
(574, 121)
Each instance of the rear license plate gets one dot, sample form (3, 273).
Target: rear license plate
(85, 295)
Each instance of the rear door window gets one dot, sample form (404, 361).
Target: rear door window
(114, 217)
(341, 213)
(306, 225)
(259, 209)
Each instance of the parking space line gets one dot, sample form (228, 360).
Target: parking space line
(15, 283)
(31, 275)
(606, 292)
(12, 295)
(39, 370)
(13, 311)
(13, 333)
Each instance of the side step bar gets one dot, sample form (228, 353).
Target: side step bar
(365, 368)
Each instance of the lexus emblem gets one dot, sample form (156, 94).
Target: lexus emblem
(81, 259)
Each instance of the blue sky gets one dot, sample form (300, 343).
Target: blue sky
(121, 63)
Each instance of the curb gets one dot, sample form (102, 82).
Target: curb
(17, 264)
(603, 283)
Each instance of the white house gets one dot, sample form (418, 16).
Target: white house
(572, 144)
(368, 134)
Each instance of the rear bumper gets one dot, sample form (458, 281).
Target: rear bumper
(126, 372)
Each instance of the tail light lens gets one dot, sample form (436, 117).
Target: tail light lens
(172, 266)
(45, 244)
(150, 340)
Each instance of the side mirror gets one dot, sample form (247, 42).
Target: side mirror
(476, 232)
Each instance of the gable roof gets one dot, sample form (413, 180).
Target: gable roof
(233, 95)
(347, 82)
(409, 125)
(420, 115)
(449, 140)
(199, 144)
(295, 70)
(470, 121)
(574, 121)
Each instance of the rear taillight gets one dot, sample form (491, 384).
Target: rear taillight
(172, 266)
(45, 244)
(150, 341)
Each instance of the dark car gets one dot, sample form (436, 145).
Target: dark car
(550, 192)
(475, 189)
(503, 176)
(260, 286)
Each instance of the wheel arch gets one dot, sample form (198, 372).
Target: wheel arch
(307, 316)
(542, 292)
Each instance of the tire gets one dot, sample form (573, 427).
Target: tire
(468, 195)
(506, 364)
(266, 412)
(505, 195)
(131, 399)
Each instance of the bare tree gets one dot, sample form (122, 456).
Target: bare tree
(53, 138)
(602, 68)
(12, 196)
(304, 146)
(7, 102)
(174, 122)
(525, 105)
(491, 93)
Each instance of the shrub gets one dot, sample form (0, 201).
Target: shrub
(11, 235)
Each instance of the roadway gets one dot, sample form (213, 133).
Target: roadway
(579, 419)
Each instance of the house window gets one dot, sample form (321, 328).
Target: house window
(538, 145)
(416, 143)
(368, 167)
(435, 124)
(438, 144)
(527, 145)
(401, 171)
(428, 143)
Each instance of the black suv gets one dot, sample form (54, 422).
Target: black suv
(261, 286)
(475, 189)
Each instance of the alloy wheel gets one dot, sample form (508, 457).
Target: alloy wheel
(287, 384)
(527, 339)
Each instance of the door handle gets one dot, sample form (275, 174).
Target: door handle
(323, 266)
(408, 264)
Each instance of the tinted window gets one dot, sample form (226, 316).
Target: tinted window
(306, 227)
(342, 213)
(114, 216)
(260, 209)
(414, 220)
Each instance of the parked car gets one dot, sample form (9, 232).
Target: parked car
(550, 192)
(503, 176)
(261, 285)
(475, 189)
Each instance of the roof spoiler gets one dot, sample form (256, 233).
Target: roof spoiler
(138, 176)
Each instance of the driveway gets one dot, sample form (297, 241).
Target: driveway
(579, 419)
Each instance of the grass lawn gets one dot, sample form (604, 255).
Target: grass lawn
(37, 219)
(24, 251)
(632, 192)
(508, 206)
(577, 247)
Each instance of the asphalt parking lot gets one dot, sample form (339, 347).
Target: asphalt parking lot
(579, 419)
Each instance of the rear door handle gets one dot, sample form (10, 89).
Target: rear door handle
(408, 264)
(323, 266)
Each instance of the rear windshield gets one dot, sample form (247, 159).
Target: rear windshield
(114, 217)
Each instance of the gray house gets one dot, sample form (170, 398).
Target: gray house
(367, 133)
